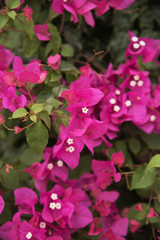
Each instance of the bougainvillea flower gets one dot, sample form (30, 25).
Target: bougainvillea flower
(29, 73)
(11, 101)
(1, 204)
(41, 31)
(134, 225)
(118, 158)
(27, 11)
(6, 58)
(26, 199)
(54, 61)
(2, 120)
(105, 171)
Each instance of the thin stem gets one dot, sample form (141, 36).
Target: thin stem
(28, 125)
(28, 90)
(127, 182)
(153, 231)
(62, 24)
(10, 129)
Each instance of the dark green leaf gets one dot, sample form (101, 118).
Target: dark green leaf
(3, 21)
(46, 118)
(37, 136)
(9, 180)
(30, 46)
(29, 28)
(28, 157)
(13, 3)
(67, 50)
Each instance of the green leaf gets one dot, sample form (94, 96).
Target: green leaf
(20, 112)
(13, 3)
(30, 46)
(37, 136)
(33, 118)
(29, 28)
(154, 162)
(28, 157)
(134, 145)
(12, 14)
(52, 77)
(152, 140)
(67, 66)
(143, 178)
(67, 50)
(46, 118)
(3, 21)
(36, 108)
(9, 180)
(121, 146)
(138, 215)
(55, 40)
(55, 102)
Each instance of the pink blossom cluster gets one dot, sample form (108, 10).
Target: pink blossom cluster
(98, 105)
(84, 7)
(64, 209)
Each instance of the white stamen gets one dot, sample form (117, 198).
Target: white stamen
(64, 0)
(152, 118)
(42, 225)
(142, 43)
(128, 103)
(58, 206)
(133, 83)
(50, 166)
(134, 39)
(136, 45)
(116, 108)
(71, 149)
(54, 196)
(140, 83)
(117, 92)
(60, 163)
(138, 98)
(29, 235)
(70, 141)
(52, 205)
(136, 77)
(85, 110)
(112, 101)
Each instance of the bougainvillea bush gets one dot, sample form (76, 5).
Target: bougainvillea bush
(80, 119)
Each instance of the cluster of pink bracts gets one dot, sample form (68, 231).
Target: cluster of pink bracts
(97, 106)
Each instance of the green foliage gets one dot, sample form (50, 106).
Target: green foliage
(20, 112)
(142, 178)
(37, 136)
(3, 21)
(9, 180)
(13, 3)
(28, 157)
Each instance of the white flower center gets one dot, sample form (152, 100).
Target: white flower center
(142, 43)
(134, 39)
(140, 83)
(70, 141)
(58, 206)
(85, 110)
(152, 118)
(29, 235)
(50, 166)
(136, 77)
(136, 45)
(42, 225)
(128, 103)
(117, 92)
(52, 205)
(116, 108)
(138, 98)
(54, 196)
(112, 101)
(71, 149)
(60, 163)
(133, 83)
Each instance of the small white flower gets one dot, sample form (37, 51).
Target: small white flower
(112, 101)
(58, 206)
(136, 77)
(136, 45)
(70, 141)
(117, 92)
(42, 225)
(50, 166)
(134, 39)
(54, 196)
(142, 43)
(52, 205)
(152, 118)
(85, 110)
(133, 83)
(71, 149)
(29, 235)
(140, 83)
(116, 108)
(60, 163)
(128, 103)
